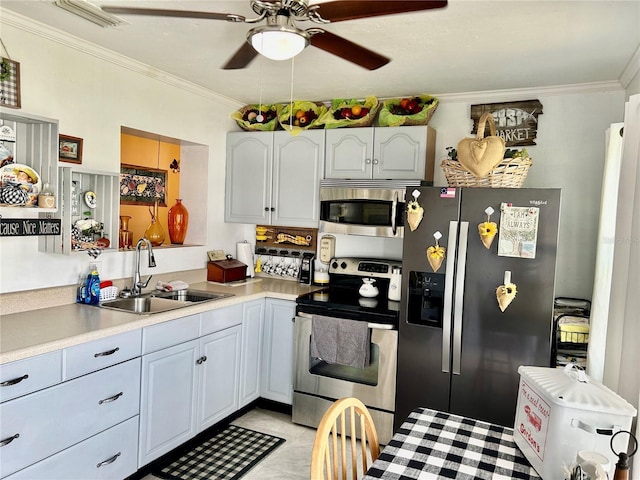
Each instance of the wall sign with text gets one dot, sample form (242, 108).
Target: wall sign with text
(18, 227)
(516, 122)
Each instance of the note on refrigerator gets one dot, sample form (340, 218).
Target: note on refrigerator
(518, 233)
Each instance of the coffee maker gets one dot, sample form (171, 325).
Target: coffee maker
(306, 268)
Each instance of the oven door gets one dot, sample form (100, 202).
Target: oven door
(374, 385)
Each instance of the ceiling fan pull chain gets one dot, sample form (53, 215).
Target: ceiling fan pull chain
(291, 95)
(260, 117)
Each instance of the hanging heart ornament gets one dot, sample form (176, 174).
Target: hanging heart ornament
(435, 256)
(414, 214)
(487, 231)
(481, 155)
(505, 295)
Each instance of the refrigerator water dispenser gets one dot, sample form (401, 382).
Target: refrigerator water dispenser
(426, 299)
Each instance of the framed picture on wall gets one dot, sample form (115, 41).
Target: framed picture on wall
(70, 149)
(142, 185)
(9, 83)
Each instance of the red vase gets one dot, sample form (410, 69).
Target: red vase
(178, 222)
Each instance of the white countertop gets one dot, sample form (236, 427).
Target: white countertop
(34, 332)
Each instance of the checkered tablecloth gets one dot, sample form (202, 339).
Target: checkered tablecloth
(432, 444)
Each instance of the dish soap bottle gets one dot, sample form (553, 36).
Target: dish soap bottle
(81, 296)
(93, 286)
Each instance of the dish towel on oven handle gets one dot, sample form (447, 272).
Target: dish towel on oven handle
(340, 341)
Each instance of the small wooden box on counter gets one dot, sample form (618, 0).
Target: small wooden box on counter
(224, 271)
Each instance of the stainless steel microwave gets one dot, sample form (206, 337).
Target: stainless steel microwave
(373, 208)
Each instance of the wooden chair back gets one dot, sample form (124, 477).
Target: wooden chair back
(346, 442)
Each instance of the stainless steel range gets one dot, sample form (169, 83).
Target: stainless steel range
(317, 383)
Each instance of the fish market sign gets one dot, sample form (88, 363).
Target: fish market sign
(516, 122)
(19, 227)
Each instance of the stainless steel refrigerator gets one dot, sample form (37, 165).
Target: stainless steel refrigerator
(458, 351)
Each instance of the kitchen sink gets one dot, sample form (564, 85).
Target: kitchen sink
(191, 295)
(157, 302)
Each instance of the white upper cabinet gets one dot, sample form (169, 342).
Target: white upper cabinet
(274, 178)
(297, 170)
(248, 177)
(380, 153)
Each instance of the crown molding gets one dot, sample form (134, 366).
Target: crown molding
(515, 94)
(45, 31)
(632, 69)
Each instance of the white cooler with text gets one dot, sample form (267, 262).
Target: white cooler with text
(563, 411)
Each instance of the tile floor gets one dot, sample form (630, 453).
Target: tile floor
(290, 461)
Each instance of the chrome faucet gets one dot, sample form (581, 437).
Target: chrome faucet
(138, 284)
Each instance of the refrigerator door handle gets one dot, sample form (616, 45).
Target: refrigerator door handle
(448, 296)
(458, 301)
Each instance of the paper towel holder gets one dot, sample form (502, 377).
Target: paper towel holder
(244, 253)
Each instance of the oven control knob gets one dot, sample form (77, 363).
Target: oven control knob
(334, 265)
(343, 265)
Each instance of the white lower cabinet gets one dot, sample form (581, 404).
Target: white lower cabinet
(189, 386)
(109, 455)
(277, 351)
(194, 372)
(168, 400)
(252, 326)
(218, 376)
(51, 420)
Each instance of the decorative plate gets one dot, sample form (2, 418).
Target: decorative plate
(91, 199)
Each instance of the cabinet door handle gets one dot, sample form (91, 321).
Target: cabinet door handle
(367, 161)
(111, 399)
(272, 209)
(109, 460)
(7, 441)
(107, 353)
(201, 360)
(266, 209)
(375, 161)
(8, 383)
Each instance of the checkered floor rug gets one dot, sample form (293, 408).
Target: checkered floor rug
(228, 455)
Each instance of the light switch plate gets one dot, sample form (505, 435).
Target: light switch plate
(327, 248)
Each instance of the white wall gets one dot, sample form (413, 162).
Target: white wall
(93, 97)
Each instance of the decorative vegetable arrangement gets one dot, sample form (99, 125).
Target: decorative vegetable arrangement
(301, 115)
(452, 153)
(301, 118)
(256, 116)
(522, 153)
(354, 112)
(416, 110)
(357, 111)
(410, 106)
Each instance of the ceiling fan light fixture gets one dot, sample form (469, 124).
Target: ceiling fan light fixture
(278, 42)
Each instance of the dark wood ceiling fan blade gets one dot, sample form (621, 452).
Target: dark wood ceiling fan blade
(243, 57)
(340, 10)
(348, 50)
(156, 12)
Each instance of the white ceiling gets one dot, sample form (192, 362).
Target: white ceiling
(469, 46)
